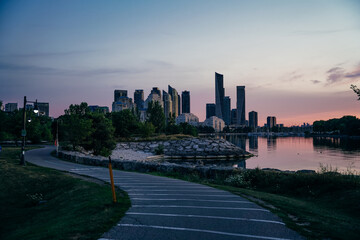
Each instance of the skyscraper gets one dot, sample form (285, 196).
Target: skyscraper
(253, 119)
(227, 110)
(233, 116)
(210, 110)
(179, 104)
(139, 98)
(118, 94)
(240, 105)
(219, 95)
(271, 122)
(43, 108)
(175, 100)
(167, 105)
(185, 96)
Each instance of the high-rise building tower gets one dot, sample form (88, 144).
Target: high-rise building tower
(167, 105)
(139, 98)
(175, 100)
(227, 110)
(271, 122)
(10, 107)
(253, 119)
(240, 105)
(185, 96)
(219, 95)
(210, 110)
(179, 104)
(233, 116)
(118, 94)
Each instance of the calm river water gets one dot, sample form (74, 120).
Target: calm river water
(296, 153)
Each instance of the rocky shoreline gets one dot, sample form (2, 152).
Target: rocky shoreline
(203, 148)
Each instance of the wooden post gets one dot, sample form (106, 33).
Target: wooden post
(112, 181)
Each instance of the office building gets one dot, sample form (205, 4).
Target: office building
(219, 95)
(167, 105)
(10, 107)
(227, 110)
(240, 105)
(179, 104)
(43, 108)
(233, 116)
(139, 98)
(270, 122)
(154, 96)
(121, 101)
(175, 100)
(185, 96)
(118, 94)
(217, 123)
(97, 108)
(253, 119)
(190, 118)
(210, 110)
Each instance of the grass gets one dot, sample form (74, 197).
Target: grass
(41, 203)
(318, 206)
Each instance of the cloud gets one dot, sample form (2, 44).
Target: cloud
(293, 76)
(354, 74)
(315, 81)
(31, 69)
(336, 74)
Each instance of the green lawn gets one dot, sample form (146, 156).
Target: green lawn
(40, 203)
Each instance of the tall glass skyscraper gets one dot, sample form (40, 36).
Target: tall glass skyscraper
(185, 96)
(240, 105)
(227, 110)
(219, 95)
(210, 110)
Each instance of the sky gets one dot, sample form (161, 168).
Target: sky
(296, 59)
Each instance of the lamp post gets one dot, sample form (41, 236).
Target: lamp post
(23, 132)
(57, 136)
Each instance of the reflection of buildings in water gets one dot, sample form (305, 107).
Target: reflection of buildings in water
(253, 143)
(345, 144)
(271, 143)
(241, 164)
(239, 141)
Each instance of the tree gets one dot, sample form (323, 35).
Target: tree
(101, 140)
(356, 90)
(125, 123)
(147, 129)
(76, 109)
(156, 116)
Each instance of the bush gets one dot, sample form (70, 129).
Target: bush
(159, 150)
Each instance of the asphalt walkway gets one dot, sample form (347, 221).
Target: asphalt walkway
(164, 208)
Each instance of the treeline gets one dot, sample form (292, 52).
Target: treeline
(93, 131)
(347, 125)
(38, 128)
(99, 132)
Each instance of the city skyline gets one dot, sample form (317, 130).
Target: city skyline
(296, 59)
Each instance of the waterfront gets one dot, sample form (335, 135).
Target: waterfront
(296, 153)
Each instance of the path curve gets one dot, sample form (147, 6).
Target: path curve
(164, 208)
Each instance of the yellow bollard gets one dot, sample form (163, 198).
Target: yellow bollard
(112, 181)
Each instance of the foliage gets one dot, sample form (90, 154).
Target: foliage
(93, 131)
(38, 128)
(156, 116)
(147, 129)
(356, 90)
(159, 150)
(348, 125)
(102, 140)
(125, 123)
(205, 129)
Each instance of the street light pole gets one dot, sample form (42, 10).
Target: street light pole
(57, 137)
(23, 134)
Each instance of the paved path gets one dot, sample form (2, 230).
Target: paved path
(164, 208)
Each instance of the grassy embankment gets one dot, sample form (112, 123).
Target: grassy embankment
(317, 205)
(40, 203)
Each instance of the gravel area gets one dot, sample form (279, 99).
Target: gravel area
(127, 154)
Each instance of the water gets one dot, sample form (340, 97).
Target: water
(296, 153)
